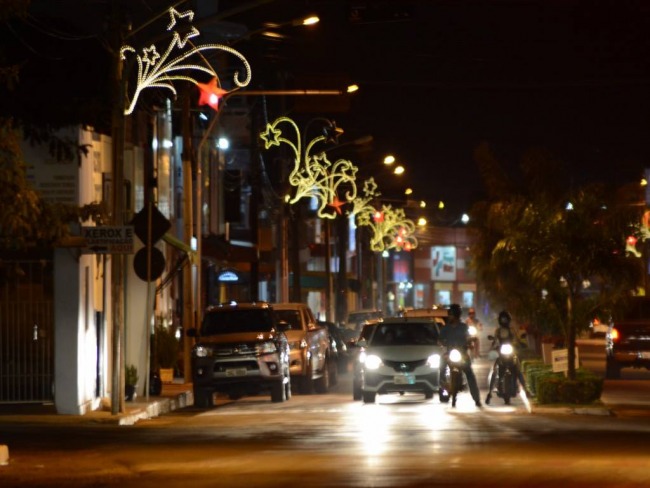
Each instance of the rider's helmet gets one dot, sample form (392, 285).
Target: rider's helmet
(455, 311)
(471, 311)
(504, 318)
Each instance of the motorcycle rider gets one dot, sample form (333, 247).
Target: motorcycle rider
(504, 333)
(456, 335)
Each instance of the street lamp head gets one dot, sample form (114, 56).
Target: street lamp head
(352, 88)
(388, 160)
(399, 170)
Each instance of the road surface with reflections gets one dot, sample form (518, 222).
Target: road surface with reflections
(330, 440)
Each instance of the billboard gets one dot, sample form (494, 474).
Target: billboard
(443, 263)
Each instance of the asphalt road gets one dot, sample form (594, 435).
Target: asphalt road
(330, 440)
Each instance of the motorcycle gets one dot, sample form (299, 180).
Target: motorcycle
(505, 367)
(453, 380)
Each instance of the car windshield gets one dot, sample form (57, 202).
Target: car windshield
(410, 334)
(291, 317)
(232, 321)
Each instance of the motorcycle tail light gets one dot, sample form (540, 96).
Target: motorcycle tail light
(506, 349)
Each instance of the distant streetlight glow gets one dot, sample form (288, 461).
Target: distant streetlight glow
(441, 205)
(422, 221)
(423, 204)
(353, 88)
(465, 218)
(388, 160)
(399, 170)
(223, 143)
(408, 191)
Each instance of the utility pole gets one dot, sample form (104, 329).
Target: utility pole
(117, 211)
(188, 312)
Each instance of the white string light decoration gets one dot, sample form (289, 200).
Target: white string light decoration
(159, 71)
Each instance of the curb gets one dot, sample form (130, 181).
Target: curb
(154, 409)
(601, 411)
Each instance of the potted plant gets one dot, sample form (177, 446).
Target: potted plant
(165, 352)
(131, 382)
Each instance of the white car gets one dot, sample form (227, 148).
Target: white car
(402, 355)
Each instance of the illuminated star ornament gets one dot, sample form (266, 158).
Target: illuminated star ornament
(210, 93)
(177, 63)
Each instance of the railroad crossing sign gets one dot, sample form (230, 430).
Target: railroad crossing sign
(108, 240)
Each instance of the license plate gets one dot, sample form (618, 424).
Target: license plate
(404, 379)
(236, 372)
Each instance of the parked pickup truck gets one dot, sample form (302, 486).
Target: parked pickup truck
(309, 344)
(240, 350)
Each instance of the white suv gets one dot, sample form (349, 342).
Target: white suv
(402, 354)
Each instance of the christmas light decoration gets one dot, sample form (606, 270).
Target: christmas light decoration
(159, 71)
(313, 174)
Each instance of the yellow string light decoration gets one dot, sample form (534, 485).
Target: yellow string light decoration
(159, 71)
(313, 175)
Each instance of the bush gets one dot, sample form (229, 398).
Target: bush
(131, 375)
(555, 388)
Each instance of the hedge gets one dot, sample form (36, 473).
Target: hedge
(550, 387)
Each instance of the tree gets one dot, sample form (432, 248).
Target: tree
(550, 252)
(25, 219)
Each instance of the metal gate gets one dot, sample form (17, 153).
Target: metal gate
(26, 331)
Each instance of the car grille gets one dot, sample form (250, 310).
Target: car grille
(405, 366)
(235, 350)
(247, 365)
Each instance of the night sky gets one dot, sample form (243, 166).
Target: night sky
(437, 77)
(571, 77)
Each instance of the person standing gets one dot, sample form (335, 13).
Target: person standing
(455, 335)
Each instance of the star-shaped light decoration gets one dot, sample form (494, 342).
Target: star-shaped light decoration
(332, 133)
(211, 94)
(189, 33)
(150, 55)
(175, 64)
(336, 204)
(271, 136)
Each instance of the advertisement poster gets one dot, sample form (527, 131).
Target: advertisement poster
(443, 263)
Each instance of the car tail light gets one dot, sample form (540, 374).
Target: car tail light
(614, 335)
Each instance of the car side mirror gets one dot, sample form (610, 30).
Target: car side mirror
(284, 326)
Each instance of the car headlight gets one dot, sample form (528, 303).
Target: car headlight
(433, 361)
(372, 361)
(266, 348)
(362, 357)
(202, 352)
(455, 356)
(506, 349)
(472, 330)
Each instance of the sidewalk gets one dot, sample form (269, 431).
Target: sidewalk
(173, 397)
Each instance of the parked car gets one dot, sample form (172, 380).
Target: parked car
(239, 350)
(309, 346)
(355, 323)
(402, 354)
(357, 318)
(338, 348)
(358, 354)
(627, 342)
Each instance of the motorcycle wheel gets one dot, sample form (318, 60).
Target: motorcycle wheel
(444, 396)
